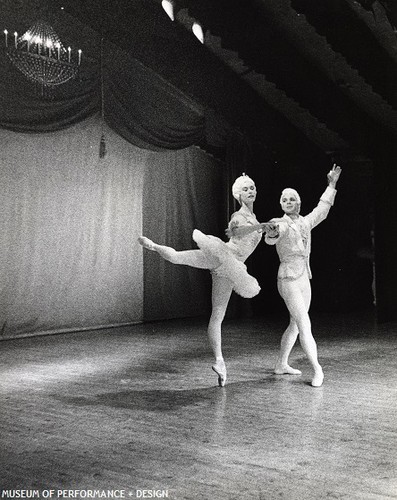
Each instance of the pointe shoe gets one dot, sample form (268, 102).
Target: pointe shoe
(146, 243)
(318, 379)
(220, 369)
(286, 370)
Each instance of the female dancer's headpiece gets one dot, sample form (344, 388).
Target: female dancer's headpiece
(238, 185)
(293, 192)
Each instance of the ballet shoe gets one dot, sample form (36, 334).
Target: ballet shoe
(220, 369)
(286, 370)
(146, 243)
(318, 379)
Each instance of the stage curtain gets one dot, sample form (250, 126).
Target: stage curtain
(69, 257)
(182, 193)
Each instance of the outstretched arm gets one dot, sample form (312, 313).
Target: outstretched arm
(238, 231)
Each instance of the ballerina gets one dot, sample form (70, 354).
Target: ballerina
(225, 261)
(291, 235)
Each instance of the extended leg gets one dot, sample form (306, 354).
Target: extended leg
(193, 258)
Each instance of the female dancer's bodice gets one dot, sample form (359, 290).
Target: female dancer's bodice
(243, 246)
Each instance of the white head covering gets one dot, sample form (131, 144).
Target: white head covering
(293, 192)
(238, 185)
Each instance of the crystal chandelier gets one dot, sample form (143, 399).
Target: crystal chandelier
(40, 55)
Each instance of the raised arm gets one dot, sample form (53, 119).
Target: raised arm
(327, 199)
(333, 175)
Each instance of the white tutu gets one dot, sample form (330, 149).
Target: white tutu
(230, 267)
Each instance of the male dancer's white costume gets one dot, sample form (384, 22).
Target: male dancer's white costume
(291, 234)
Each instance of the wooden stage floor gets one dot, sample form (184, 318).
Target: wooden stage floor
(135, 413)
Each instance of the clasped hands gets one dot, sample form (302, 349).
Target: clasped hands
(270, 228)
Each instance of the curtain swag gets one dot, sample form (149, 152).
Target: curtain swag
(137, 103)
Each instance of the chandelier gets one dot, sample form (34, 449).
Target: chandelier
(40, 55)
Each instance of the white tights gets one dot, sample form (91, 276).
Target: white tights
(297, 297)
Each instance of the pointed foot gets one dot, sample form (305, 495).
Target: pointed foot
(220, 369)
(146, 243)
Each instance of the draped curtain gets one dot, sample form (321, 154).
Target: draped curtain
(145, 109)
